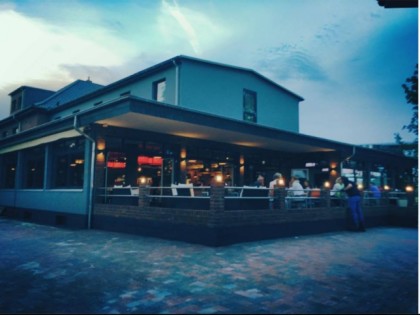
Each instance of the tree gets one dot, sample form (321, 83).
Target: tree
(411, 95)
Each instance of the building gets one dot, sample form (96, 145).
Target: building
(184, 120)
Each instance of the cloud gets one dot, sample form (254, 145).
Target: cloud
(341, 56)
(177, 24)
(288, 62)
(37, 49)
(186, 26)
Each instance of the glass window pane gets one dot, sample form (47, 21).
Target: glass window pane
(9, 170)
(34, 166)
(159, 90)
(68, 163)
(250, 106)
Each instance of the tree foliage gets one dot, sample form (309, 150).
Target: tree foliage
(411, 95)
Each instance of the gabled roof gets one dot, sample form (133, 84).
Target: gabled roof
(99, 90)
(178, 60)
(69, 93)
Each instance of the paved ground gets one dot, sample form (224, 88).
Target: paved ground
(46, 269)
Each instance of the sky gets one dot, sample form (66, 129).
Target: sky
(346, 58)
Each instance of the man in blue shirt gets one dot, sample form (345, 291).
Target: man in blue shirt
(354, 203)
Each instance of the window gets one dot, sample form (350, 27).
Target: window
(159, 90)
(16, 104)
(8, 170)
(68, 163)
(14, 107)
(250, 106)
(34, 167)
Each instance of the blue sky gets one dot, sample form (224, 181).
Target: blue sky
(346, 58)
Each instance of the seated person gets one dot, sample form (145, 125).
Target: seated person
(259, 182)
(306, 186)
(295, 188)
(337, 190)
(337, 193)
(374, 190)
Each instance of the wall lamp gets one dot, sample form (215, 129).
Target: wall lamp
(409, 188)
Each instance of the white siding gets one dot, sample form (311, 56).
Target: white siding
(219, 90)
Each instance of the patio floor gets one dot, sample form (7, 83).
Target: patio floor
(45, 269)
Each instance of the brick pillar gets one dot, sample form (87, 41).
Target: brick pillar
(411, 198)
(279, 201)
(217, 204)
(279, 195)
(385, 198)
(327, 196)
(143, 190)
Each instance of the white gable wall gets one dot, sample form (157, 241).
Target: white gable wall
(219, 90)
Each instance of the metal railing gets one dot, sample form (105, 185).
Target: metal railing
(242, 198)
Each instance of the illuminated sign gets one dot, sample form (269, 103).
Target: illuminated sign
(145, 160)
(112, 164)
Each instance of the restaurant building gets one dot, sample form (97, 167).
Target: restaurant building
(182, 121)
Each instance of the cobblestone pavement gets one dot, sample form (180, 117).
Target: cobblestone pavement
(44, 269)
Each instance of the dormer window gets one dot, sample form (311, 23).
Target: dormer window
(16, 104)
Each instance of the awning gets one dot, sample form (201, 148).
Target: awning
(42, 140)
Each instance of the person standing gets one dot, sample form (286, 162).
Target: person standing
(271, 185)
(354, 203)
(274, 182)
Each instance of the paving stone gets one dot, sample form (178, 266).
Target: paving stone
(45, 269)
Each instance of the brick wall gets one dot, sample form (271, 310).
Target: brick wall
(235, 217)
(184, 216)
